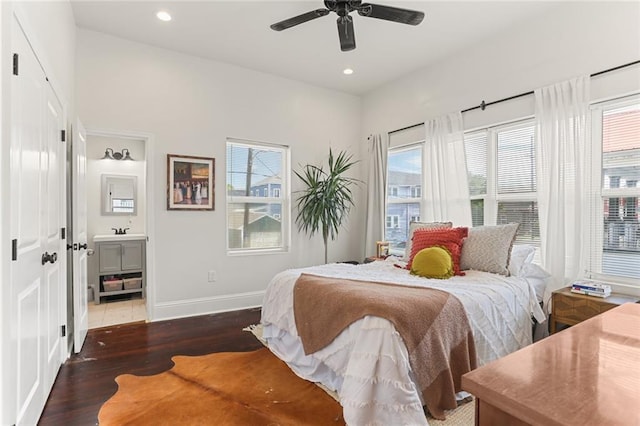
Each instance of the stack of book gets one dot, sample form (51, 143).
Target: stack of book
(591, 288)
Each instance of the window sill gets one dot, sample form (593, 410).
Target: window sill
(252, 252)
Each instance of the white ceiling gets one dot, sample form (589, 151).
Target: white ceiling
(237, 32)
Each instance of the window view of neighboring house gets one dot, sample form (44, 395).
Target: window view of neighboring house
(256, 196)
(404, 194)
(615, 227)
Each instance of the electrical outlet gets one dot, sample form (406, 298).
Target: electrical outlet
(213, 276)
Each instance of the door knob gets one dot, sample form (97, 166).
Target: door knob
(46, 257)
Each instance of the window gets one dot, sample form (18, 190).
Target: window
(476, 152)
(501, 169)
(404, 189)
(122, 205)
(614, 252)
(393, 221)
(255, 220)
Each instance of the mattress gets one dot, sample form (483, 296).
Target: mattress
(367, 364)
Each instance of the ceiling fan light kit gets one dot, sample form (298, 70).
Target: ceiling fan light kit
(345, 22)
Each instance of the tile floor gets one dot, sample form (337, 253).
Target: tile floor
(120, 312)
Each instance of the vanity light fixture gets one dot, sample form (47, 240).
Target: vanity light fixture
(347, 71)
(109, 154)
(163, 16)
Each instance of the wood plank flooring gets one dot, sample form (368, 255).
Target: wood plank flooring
(86, 380)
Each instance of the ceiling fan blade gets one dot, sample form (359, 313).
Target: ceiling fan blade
(296, 20)
(346, 34)
(388, 13)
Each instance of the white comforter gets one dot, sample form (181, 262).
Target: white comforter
(367, 364)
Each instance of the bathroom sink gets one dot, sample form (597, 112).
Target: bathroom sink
(122, 237)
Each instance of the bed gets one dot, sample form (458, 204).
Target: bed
(368, 365)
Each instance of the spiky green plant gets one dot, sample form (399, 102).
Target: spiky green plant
(327, 197)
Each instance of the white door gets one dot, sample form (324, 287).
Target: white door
(79, 190)
(54, 219)
(37, 207)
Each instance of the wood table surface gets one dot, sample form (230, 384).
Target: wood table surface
(588, 374)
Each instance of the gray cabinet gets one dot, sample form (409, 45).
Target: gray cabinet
(121, 268)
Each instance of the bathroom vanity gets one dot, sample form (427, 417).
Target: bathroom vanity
(121, 265)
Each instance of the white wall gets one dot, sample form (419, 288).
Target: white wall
(191, 106)
(51, 31)
(574, 38)
(98, 223)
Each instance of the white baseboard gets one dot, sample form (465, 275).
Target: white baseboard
(206, 305)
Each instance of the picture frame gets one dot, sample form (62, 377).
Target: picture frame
(382, 249)
(190, 182)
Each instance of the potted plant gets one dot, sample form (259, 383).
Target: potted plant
(327, 198)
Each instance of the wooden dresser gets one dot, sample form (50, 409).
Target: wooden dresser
(585, 375)
(572, 308)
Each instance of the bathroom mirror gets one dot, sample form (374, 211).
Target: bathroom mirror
(119, 195)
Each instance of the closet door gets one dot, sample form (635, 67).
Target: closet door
(36, 285)
(53, 218)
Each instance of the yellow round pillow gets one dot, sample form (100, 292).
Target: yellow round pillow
(433, 262)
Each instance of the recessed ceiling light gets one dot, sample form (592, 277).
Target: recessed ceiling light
(347, 71)
(163, 16)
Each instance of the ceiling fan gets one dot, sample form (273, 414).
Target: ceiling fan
(345, 22)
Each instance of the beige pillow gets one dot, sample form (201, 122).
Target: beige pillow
(488, 248)
(413, 226)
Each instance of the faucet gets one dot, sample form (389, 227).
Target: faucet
(120, 231)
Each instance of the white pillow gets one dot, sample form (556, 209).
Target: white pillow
(488, 248)
(521, 254)
(537, 277)
(413, 226)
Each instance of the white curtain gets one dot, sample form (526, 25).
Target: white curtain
(447, 189)
(376, 193)
(562, 128)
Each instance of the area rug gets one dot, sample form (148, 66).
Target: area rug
(232, 388)
(228, 388)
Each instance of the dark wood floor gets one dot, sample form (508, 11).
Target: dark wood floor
(86, 380)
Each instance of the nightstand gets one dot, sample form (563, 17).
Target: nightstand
(572, 308)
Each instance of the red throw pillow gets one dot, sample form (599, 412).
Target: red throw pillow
(451, 238)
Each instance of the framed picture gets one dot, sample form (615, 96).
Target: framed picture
(382, 249)
(190, 182)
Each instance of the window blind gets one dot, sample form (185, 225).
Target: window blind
(516, 160)
(475, 145)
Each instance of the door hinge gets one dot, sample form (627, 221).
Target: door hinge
(15, 64)
(63, 233)
(14, 249)
(63, 330)
(63, 135)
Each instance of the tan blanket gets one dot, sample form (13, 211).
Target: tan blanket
(432, 323)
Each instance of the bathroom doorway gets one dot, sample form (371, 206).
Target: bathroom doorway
(119, 271)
